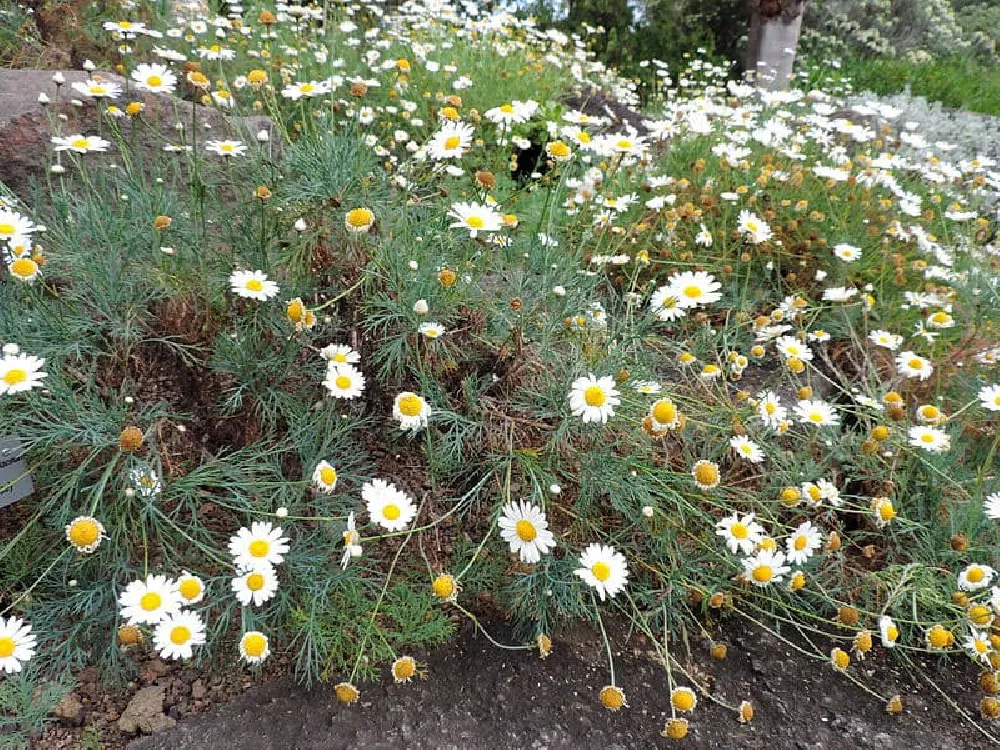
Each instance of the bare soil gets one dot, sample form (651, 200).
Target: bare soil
(478, 696)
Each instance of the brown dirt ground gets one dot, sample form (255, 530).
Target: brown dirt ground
(477, 696)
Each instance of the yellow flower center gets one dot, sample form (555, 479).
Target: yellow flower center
(255, 285)
(664, 411)
(892, 633)
(938, 637)
(583, 137)
(6, 230)
(306, 88)
(595, 396)
(476, 222)
(525, 530)
(226, 148)
(800, 543)
(739, 530)
(154, 81)
(452, 142)
(706, 473)
(83, 533)
(150, 601)
(916, 364)
(816, 417)
(981, 646)
(359, 217)
(391, 512)
(259, 548)
(559, 149)
(180, 634)
(404, 668)
(254, 644)
(683, 700)
(79, 143)
(443, 586)
(125, 24)
(624, 143)
(7, 646)
(886, 512)
(601, 571)
(692, 291)
(927, 437)
(763, 573)
(507, 108)
(24, 268)
(328, 475)
(189, 588)
(411, 405)
(975, 574)
(255, 581)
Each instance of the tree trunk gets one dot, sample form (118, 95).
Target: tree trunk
(774, 37)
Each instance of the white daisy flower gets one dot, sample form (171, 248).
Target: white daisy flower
(847, 253)
(746, 448)
(344, 381)
(254, 647)
(17, 644)
(692, 289)
(253, 285)
(989, 397)
(325, 477)
(352, 542)
(754, 228)
(390, 508)
(255, 585)
(741, 534)
(411, 411)
(914, 366)
(524, 527)
(816, 412)
(975, 577)
(451, 141)
(604, 569)
(770, 410)
(20, 373)
(261, 543)
(803, 543)
(991, 506)
(95, 89)
(80, 144)
(307, 89)
(765, 568)
(340, 354)
(13, 224)
(979, 645)
(150, 601)
(190, 588)
(476, 218)
(888, 630)
(593, 399)
(154, 77)
(226, 148)
(666, 305)
(930, 439)
(177, 635)
(431, 330)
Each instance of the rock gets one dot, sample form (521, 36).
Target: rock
(26, 130)
(144, 713)
(69, 708)
(152, 670)
(198, 690)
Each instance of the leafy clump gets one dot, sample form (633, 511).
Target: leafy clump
(434, 340)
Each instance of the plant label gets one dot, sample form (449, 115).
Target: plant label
(15, 479)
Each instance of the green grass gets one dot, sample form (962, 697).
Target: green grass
(957, 82)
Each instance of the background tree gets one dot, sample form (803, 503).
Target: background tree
(775, 26)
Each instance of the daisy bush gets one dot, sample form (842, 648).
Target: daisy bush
(435, 344)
